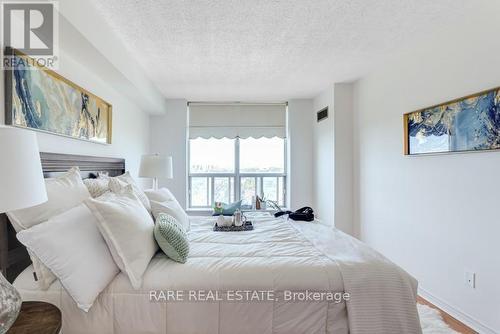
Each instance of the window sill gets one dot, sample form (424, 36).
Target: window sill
(208, 212)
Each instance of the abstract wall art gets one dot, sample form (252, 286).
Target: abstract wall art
(40, 99)
(471, 123)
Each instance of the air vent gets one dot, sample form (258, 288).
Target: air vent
(322, 114)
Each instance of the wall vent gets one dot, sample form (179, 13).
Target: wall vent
(322, 114)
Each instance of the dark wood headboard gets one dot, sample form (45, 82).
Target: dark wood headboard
(13, 255)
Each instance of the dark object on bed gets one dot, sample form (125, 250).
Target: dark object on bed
(248, 226)
(303, 214)
(13, 255)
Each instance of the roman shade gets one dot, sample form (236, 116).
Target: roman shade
(209, 120)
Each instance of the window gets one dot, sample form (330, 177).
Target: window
(236, 151)
(228, 170)
(262, 155)
(211, 155)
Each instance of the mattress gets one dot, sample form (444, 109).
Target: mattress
(277, 256)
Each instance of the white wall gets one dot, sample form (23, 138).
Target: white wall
(323, 157)
(130, 124)
(435, 216)
(300, 154)
(343, 159)
(97, 43)
(168, 136)
(332, 157)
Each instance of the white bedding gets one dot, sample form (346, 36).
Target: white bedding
(278, 255)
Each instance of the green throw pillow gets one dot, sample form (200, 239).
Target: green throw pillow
(171, 237)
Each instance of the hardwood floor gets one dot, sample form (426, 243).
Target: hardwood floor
(448, 319)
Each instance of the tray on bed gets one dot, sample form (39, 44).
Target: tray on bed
(248, 226)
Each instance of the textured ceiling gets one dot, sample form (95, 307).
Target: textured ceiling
(268, 49)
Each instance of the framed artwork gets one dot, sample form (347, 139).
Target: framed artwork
(40, 99)
(471, 123)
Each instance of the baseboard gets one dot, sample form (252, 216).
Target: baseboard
(457, 314)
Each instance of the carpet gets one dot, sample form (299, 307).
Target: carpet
(431, 321)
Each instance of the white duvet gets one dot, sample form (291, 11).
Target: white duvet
(278, 257)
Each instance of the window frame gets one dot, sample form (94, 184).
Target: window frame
(237, 175)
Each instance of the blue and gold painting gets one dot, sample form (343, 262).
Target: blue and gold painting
(40, 99)
(467, 124)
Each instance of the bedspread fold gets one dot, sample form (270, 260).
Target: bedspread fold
(382, 295)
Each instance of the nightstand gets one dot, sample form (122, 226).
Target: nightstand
(37, 317)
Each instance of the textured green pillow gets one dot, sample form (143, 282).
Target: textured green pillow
(171, 237)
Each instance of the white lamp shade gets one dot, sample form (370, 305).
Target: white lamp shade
(21, 177)
(156, 166)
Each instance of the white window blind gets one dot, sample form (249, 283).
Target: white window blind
(237, 120)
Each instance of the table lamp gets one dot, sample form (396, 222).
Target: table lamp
(21, 186)
(156, 166)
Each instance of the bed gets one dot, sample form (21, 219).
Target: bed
(277, 269)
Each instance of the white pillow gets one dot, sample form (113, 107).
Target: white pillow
(160, 195)
(71, 245)
(97, 187)
(63, 192)
(172, 208)
(127, 228)
(128, 180)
